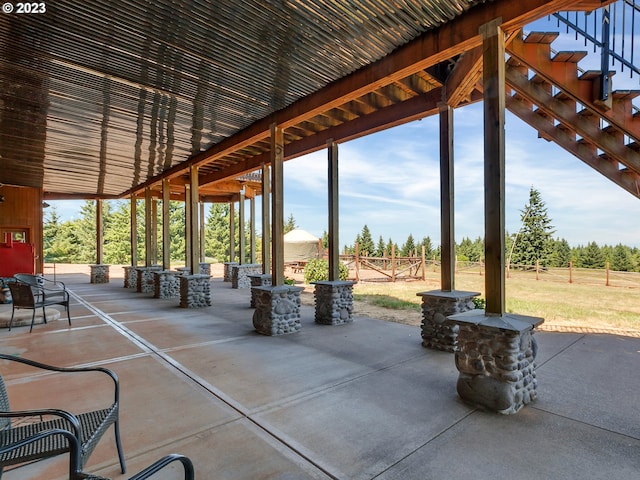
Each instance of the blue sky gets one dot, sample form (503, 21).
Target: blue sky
(390, 182)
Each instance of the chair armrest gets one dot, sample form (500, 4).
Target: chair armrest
(163, 462)
(55, 284)
(74, 449)
(44, 366)
(71, 418)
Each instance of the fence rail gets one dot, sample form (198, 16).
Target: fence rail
(387, 269)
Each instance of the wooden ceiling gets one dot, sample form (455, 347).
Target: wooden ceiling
(102, 99)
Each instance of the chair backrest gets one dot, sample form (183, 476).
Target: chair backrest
(21, 295)
(5, 423)
(33, 280)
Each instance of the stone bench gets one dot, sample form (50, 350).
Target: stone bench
(166, 284)
(195, 291)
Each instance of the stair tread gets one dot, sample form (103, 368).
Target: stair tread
(541, 37)
(625, 94)
(569, 56)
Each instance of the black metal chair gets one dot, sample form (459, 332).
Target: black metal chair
(28, 292)
(87, 428)
(63, 436)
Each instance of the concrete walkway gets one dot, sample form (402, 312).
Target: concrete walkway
(358, 401)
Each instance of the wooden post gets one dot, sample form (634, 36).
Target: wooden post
(266, 219)
(277, 207)
(570, 271)
(148, 229)
(334, 244)
(194, 223)
(447, 241)
(99, 233)
(252, 229)
(357, 260)
(232, 231)
(493, 74)
(133, 237)
(424, 265)
(241, 234)
(607, 274)
(166, 224)
(202, 231)
(393, 263)
(537, 269)
(154, 230)
(187, 226)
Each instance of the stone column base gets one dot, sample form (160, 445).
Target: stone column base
(130, 277)
(240, 274)
(260, 280)
(496, 360)
(277, 310)
(99, 273)
(166, 284)
(437, 305)
(227, 270)
(205, 268)
(145, 278)
(334, 302)
(195, 291)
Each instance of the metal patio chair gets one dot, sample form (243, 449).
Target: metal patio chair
(45, 292)
(25, 296)
(63, 436)
(87, 428)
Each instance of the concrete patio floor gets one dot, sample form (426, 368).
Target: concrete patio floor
(358, 401)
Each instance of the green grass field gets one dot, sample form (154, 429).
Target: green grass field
(552, 297)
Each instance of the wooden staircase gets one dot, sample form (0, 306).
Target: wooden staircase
(550, 94)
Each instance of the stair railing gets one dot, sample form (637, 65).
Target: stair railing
(611, 29)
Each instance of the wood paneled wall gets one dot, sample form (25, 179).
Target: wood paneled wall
(22, 209)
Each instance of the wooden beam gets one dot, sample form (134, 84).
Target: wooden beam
(334, 224)
(166, 224)
(447, 237)
(464, 77)
(194, 224)
(266, 219)
(493, 50)
(241, 233)
(133, 231)
(277, 206)
(252, 230)
(148, 258)
(232, 231)
(99, 233)
(434, 46)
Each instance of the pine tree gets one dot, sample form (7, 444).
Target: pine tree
(367, 247)
(560, 253)
(428, 247)
(591, 257)
(409, 247)
(621, 260)
(290, 224)
(379, 252)
(532, 244)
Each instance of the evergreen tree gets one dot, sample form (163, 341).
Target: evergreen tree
(621, 260)
(117, 244)
(560, 253)
(290, 224)
(471, 251)
(532, 244)
(409, 247)
(380, 248)
(217, 232)
(428, 247)
(591, 257)
(389, 248)
(367, 247)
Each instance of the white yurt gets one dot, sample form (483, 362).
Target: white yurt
(300, 245)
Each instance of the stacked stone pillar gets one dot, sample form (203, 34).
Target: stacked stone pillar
(277, 309)
(240, 274)
(195, 291)
(258, 280)
(99, 273)
(166, 284)
(145, 279)
(496, 360)
(205, 268)
(228, 266)
(334, 302)
(130, 277)
(437, 305)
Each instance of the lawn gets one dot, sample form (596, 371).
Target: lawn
(560, 303)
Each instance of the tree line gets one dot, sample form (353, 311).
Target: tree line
(74, 241)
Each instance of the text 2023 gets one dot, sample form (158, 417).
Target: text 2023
(32, 7)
